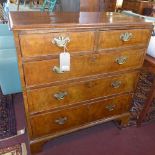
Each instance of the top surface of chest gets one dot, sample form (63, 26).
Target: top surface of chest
(38, 20)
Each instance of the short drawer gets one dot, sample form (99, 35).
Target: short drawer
(57, 96)
(41, 72)
(122, 38)
(60, 121)
(33, 45)
(109, 107)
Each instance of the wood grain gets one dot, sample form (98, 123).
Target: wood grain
(39, 20)
(113, 38)
(41, 44)
(43, 99)
(82, 65)
(47, 124)
(110, 107)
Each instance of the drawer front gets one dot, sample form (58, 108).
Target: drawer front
(109, 107)
(41, 72)
(55, 122)
(33, 45)
(57, 96)
(122, 38)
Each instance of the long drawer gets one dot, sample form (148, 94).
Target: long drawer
(61, 121)
(71, 93)
(84, 65)
(122, 38)
(33, 45)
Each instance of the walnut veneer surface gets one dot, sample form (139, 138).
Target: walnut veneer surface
(107, 52)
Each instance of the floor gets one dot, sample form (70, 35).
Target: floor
(20, 125)
(105, 139)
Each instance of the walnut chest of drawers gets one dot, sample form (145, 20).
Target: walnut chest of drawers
(107, 52)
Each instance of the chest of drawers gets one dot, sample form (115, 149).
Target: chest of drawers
(107, 52)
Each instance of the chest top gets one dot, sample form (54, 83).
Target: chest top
(36, 20)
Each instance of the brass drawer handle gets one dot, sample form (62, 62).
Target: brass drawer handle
(57, 70)
(110, 107)
(116, 84)
(126, 36)
(61, 120)
(61, 41)
(60, 95)
(121, 60)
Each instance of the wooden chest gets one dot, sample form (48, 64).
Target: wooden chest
(107, 52)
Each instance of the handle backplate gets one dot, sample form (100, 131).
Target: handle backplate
(110, 107)
(61, 41)
(126, 36)
(60, 95)
(121, 60)
(61, 120)
(116, 84)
